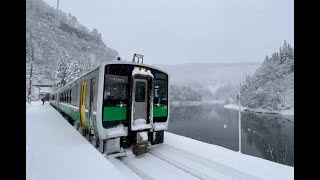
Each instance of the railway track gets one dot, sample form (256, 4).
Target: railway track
(197, 166)
(166, 162)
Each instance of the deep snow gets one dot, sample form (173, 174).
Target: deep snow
(55, 150)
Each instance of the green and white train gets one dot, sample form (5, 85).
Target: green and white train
(117, 105)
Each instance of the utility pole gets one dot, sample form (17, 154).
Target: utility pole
(239, 104)
(29, 92)
(58, 5)
(32, 60)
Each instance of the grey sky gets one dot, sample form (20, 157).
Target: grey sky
(185, 31)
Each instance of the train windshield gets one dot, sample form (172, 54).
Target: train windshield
(160, 88)
(160, 91)
(115, 90)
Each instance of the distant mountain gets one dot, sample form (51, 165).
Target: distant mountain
(211, 80)
(56, 42)
(271, 88)
(209, 74)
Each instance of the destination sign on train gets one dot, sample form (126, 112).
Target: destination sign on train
(116, 78)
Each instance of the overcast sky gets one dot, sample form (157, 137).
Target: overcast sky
(188, 31)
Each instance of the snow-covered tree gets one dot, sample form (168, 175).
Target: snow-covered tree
(74, 71)
(54, 32)
(184, 93)
(61, 71)
(272, 84)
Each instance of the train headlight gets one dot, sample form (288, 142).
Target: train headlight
(142, 69)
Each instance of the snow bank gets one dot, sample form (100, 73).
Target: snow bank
(250, 165)
(234, 107)
(289, 112)
(217, 101)
(195, 103)
(55, 150)
(259, 110)
(189, 103)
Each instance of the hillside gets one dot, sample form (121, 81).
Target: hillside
(271, 87)
(55, 40)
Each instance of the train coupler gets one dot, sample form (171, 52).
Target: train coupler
(141, 144)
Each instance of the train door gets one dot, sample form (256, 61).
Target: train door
(82, 108)
(92, 89)
(140, 100)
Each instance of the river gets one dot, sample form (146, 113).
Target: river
(268, 136)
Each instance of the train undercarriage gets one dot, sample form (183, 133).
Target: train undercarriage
(138, 141)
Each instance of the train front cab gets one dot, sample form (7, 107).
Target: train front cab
(137, 100)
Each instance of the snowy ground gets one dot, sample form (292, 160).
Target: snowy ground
(184, 158)
(289, 112)
(55, 150)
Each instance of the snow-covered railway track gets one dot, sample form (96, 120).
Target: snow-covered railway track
(164, 161)
(150, 167)
(195, 165)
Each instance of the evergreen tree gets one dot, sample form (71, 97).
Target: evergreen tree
(268, 87)
(61, 71)
(73, 71)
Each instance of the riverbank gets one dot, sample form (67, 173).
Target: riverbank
(289, 112)
(195, 103)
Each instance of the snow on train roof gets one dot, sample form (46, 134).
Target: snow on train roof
(133, 63)
(111, 62)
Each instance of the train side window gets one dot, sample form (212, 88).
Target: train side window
(70, 97)
(73, 94)
(67, 92)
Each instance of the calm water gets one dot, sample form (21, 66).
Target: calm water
(267, 136)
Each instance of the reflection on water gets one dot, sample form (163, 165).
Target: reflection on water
(267, 136)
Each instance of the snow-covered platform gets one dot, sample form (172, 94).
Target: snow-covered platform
(57, 151)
